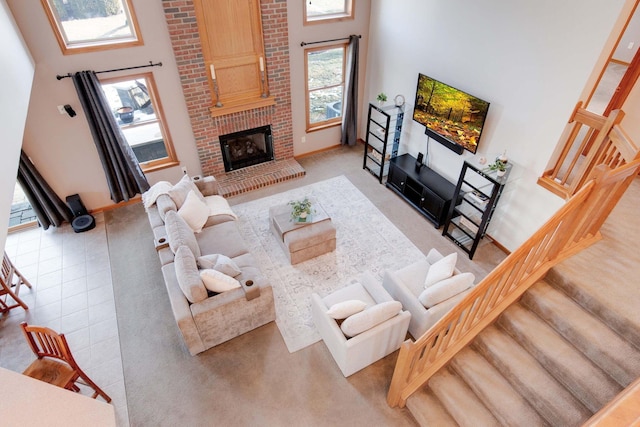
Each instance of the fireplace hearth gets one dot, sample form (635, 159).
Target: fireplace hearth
(246, 148)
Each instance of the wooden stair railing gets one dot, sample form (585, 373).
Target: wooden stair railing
(621, 411)
(588, 140)
(574, 227)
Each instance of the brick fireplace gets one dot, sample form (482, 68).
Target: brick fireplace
(183, 31)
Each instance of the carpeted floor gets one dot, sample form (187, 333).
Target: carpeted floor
(366, 241)
(252, 379)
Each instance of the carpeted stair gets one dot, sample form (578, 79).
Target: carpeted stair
(547, 360)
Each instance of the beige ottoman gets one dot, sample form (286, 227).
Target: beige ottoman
(303, 241)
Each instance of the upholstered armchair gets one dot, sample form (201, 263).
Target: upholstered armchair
(377, 328)
(428, 300)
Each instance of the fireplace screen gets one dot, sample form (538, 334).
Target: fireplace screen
(246, 148)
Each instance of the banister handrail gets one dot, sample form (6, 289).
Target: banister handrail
(587, 141)
(572, 228)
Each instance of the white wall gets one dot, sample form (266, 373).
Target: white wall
(530, 60)
(62, 147)
(329, 137)
(16, 75)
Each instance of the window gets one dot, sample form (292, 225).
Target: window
(324, 68)
(139, 114)
(85, 26)
(316, 11)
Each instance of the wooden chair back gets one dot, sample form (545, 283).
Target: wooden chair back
(47, 344)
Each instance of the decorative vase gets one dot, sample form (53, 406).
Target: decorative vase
(500, 173)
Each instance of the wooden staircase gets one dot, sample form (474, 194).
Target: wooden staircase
(547, 360)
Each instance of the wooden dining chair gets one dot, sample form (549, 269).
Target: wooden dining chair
(55, 363)
(10, 281)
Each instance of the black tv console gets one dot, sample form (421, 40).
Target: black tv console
(424, 189)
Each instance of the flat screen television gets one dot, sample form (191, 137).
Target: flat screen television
(452, 117)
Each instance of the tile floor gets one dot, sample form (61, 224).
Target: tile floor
(73, 294)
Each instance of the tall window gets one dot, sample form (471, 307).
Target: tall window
(324, 70)
(89, 25)
(316, 11)
(139, 114)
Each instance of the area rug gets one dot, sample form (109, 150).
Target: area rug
(366, 241)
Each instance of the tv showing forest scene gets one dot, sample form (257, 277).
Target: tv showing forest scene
(451, 116)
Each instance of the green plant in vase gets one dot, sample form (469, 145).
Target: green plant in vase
(382, 98)
(301, 210)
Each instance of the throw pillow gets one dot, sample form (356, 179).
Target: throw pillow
(372, 316)
(446, 289)
(219, 262)
(441, 269)
(187, 275)
(218, 282)
(344, 309)
(180, 191)
(179, 233)
(194, 211)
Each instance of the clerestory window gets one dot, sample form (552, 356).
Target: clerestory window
(321, 11)
(85, 26)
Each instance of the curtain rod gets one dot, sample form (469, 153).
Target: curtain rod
(151, 64)
(325, 41)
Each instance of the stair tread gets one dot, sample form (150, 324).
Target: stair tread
(528, 377)
(593, 387)
(460, 401)
(427, 409)
(611, 352)
(505, 403)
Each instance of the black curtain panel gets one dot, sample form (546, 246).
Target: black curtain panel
(350, 109)
(48, 207)
(124, 175)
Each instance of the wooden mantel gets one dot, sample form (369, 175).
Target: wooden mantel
(244, 105)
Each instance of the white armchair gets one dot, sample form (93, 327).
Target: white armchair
(355, 353)
(407, 285)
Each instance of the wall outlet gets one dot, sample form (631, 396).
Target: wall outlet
(630, 45)
(303, 139)
(184, 170)
(61, 109)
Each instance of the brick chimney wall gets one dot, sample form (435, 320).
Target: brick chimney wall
(183, 31)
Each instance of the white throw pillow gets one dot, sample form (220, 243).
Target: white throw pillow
(218, 282)
(372, 316)
(194, 211)
(180, 191)
(440, 270)
(446, 289)
(344, 309)
(219, 262)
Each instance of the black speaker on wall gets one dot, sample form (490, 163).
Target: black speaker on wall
(82, 220)
(419, 161)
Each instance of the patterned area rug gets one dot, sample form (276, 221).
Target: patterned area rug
(366, 241)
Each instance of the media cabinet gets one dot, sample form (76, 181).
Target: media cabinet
(423, 188)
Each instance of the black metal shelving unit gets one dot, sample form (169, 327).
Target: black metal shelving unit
(478, 191)
(382, 122)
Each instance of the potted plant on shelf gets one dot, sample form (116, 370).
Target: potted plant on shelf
(499, 166)
(382, 98)
(301, 210)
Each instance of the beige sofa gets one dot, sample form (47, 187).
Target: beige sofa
(205, 318)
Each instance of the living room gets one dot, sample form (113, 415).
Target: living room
(398, 42)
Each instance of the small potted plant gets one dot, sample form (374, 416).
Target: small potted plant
(382, 98)
(499, 166)
(301, 210)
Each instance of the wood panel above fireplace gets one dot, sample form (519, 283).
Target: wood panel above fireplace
(233, 50)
